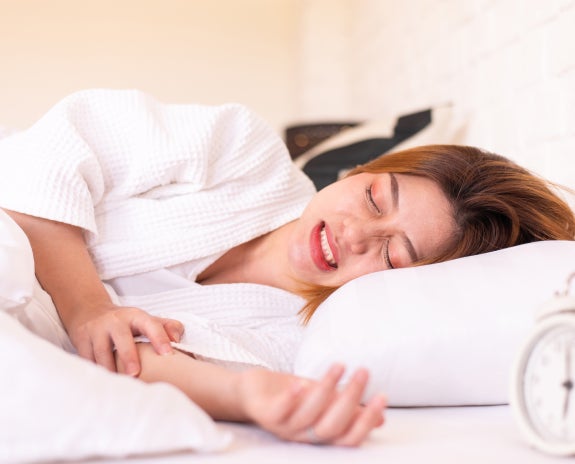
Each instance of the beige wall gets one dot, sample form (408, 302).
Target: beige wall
(508, 65)
(207, 51)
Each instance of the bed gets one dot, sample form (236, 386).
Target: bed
(412, 435)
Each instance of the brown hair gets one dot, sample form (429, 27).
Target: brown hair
(496, 203)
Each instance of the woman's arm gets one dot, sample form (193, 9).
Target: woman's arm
(283, 404)
(95, 325)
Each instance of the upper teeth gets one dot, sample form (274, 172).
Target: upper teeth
(328, 255)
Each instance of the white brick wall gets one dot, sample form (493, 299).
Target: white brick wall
(508, 65)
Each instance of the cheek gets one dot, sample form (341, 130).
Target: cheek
(329, 202)
(365, 266)
(398, 255)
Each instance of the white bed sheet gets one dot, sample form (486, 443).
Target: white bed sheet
(486, 434)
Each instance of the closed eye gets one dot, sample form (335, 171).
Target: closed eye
(370, 200)
(386, 255)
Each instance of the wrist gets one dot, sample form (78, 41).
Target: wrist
(242, 391)
(74, 314)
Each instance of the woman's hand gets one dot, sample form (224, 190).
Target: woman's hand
(98, 332)
(292, 408)
(308, 411)
(94, 324)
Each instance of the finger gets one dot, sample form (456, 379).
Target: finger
(152, 327)
(318, 397)
(371, 417)
(286, 403)
(84, 349)
(341, 412)
(174, 329)
(126, 351)
(103, 352)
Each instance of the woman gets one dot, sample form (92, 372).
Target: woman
(189, 210)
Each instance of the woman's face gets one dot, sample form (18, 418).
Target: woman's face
(366, 223)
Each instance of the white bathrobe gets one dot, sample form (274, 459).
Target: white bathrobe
(164, 188)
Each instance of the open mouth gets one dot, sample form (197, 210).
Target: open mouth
(326, 249)
(321, 246)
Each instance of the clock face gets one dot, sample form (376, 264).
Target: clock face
(549, 384)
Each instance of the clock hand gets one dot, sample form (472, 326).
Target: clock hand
(568, 363)
(568, 383)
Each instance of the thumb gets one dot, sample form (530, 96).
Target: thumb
(174, 329)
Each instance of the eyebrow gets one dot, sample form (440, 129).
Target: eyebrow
(395, 200)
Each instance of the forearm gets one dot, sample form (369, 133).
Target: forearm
(214, 388)
(283, 404)
(96, 326)
(63, 265)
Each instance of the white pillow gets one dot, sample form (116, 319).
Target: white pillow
(442, 334)
(56, 406)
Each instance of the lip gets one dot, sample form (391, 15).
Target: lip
(316, 251)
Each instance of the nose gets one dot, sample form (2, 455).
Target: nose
(358, 234)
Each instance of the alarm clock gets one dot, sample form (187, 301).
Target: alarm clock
(543, 380)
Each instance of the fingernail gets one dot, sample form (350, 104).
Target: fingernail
(337, 369)
(166, 349)
(360, 375)
(380, 401)
(132, 369)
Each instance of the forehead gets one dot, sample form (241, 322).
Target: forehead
(426, 214)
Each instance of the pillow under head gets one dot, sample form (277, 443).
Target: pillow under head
(441, 334)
